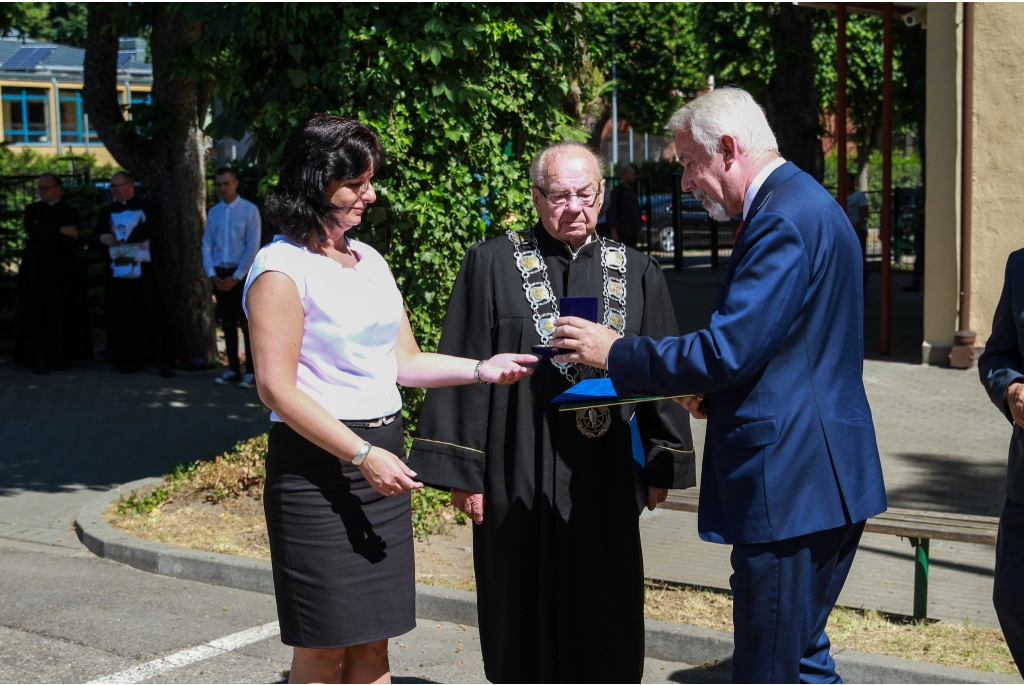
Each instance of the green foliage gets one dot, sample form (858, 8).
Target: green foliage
(432, 513)
(738, 44)
(136, 504)
(27, 162)
(657, 55)
(462, 96)
(60, 22)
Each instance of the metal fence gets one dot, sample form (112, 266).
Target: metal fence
(88, 195)
(677, 230)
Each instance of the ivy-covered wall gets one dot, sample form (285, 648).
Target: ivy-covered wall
(462, 95)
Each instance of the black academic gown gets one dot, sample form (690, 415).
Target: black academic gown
(51, 314)
(134, 311)
(559, 568)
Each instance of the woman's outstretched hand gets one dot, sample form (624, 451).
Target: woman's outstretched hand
(506, 369)
(387, 473)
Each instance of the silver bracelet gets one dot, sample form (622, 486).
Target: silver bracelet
(360, 455)
(476, 372)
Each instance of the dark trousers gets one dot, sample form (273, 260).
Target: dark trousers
(784, 592)
(1008, 591)
(232, 317)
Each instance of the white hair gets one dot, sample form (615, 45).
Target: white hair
(540, 163)
(726, 111)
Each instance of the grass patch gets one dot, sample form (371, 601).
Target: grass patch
(951, 644)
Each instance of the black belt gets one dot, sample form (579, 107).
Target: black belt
(373, 423)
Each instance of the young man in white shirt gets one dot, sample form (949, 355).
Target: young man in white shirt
(230, 244)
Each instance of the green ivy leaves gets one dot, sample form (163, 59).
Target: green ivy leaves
(462, 95)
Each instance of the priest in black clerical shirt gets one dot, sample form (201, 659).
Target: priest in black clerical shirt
(554, 495)
(134, 311)
(51, 323)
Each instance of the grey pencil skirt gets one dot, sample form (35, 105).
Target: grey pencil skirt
(342, 553)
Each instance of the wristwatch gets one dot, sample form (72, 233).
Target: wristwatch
(361, 455)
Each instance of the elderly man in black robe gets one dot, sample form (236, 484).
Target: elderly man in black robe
(554, 495)
(51, 317)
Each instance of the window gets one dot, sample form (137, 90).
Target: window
(26, 115)
(72, 119)
(142, 98)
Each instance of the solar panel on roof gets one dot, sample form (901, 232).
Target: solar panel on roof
(26, 59)
(123, 57)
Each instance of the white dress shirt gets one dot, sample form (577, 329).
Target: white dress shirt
(232, 237)
(755, 185)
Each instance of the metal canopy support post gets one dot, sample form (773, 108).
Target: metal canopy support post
(841, 190)
(967, 163)
(920, 577)
(886, 224)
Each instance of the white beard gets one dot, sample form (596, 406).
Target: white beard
(715, 209)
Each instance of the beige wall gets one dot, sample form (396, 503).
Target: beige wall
(942, 202)
(998, 165)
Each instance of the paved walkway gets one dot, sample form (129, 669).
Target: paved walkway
(943, 448)
(68, 435)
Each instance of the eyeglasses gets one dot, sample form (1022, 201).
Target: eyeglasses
(46, 187)
(560, 198)
(118, 185)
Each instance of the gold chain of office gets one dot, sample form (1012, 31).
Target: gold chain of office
(595, 421)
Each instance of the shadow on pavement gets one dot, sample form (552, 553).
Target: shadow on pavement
(92, 428)
(718, 673)
(951, 484)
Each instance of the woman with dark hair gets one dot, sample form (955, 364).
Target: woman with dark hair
(330, 339)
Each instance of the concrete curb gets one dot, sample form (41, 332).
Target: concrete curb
(666, 641)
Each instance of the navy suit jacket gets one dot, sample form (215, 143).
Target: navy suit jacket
(790, 445)
(1003, 362)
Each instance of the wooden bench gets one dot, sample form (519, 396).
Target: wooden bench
(917, 526)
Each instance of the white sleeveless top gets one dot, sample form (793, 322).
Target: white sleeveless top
(351, 319)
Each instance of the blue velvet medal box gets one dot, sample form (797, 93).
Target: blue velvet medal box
(583, 307)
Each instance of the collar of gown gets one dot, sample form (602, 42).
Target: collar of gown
(551, 245)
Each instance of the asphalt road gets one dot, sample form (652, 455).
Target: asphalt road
(69, 617)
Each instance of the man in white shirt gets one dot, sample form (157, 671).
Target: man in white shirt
(230, 244)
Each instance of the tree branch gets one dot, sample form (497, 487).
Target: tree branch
(99, 92)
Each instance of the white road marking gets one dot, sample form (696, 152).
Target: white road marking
(223, 645)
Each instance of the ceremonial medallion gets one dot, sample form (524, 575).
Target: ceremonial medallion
(614, 259)
(617, 289)
(546, 327)
(614, 321)
(593, 422)
(529, 262)
(538, 293)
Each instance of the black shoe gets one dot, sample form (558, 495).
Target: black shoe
(167, 372)
(128, 368)
(40, 370)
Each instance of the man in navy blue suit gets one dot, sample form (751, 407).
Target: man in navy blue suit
(1002, 374)
(791, 469)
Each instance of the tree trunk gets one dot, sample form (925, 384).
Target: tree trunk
(165, 151)
(792, 100)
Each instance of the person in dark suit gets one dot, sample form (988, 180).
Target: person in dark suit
(1002, 374)
(791, 469)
